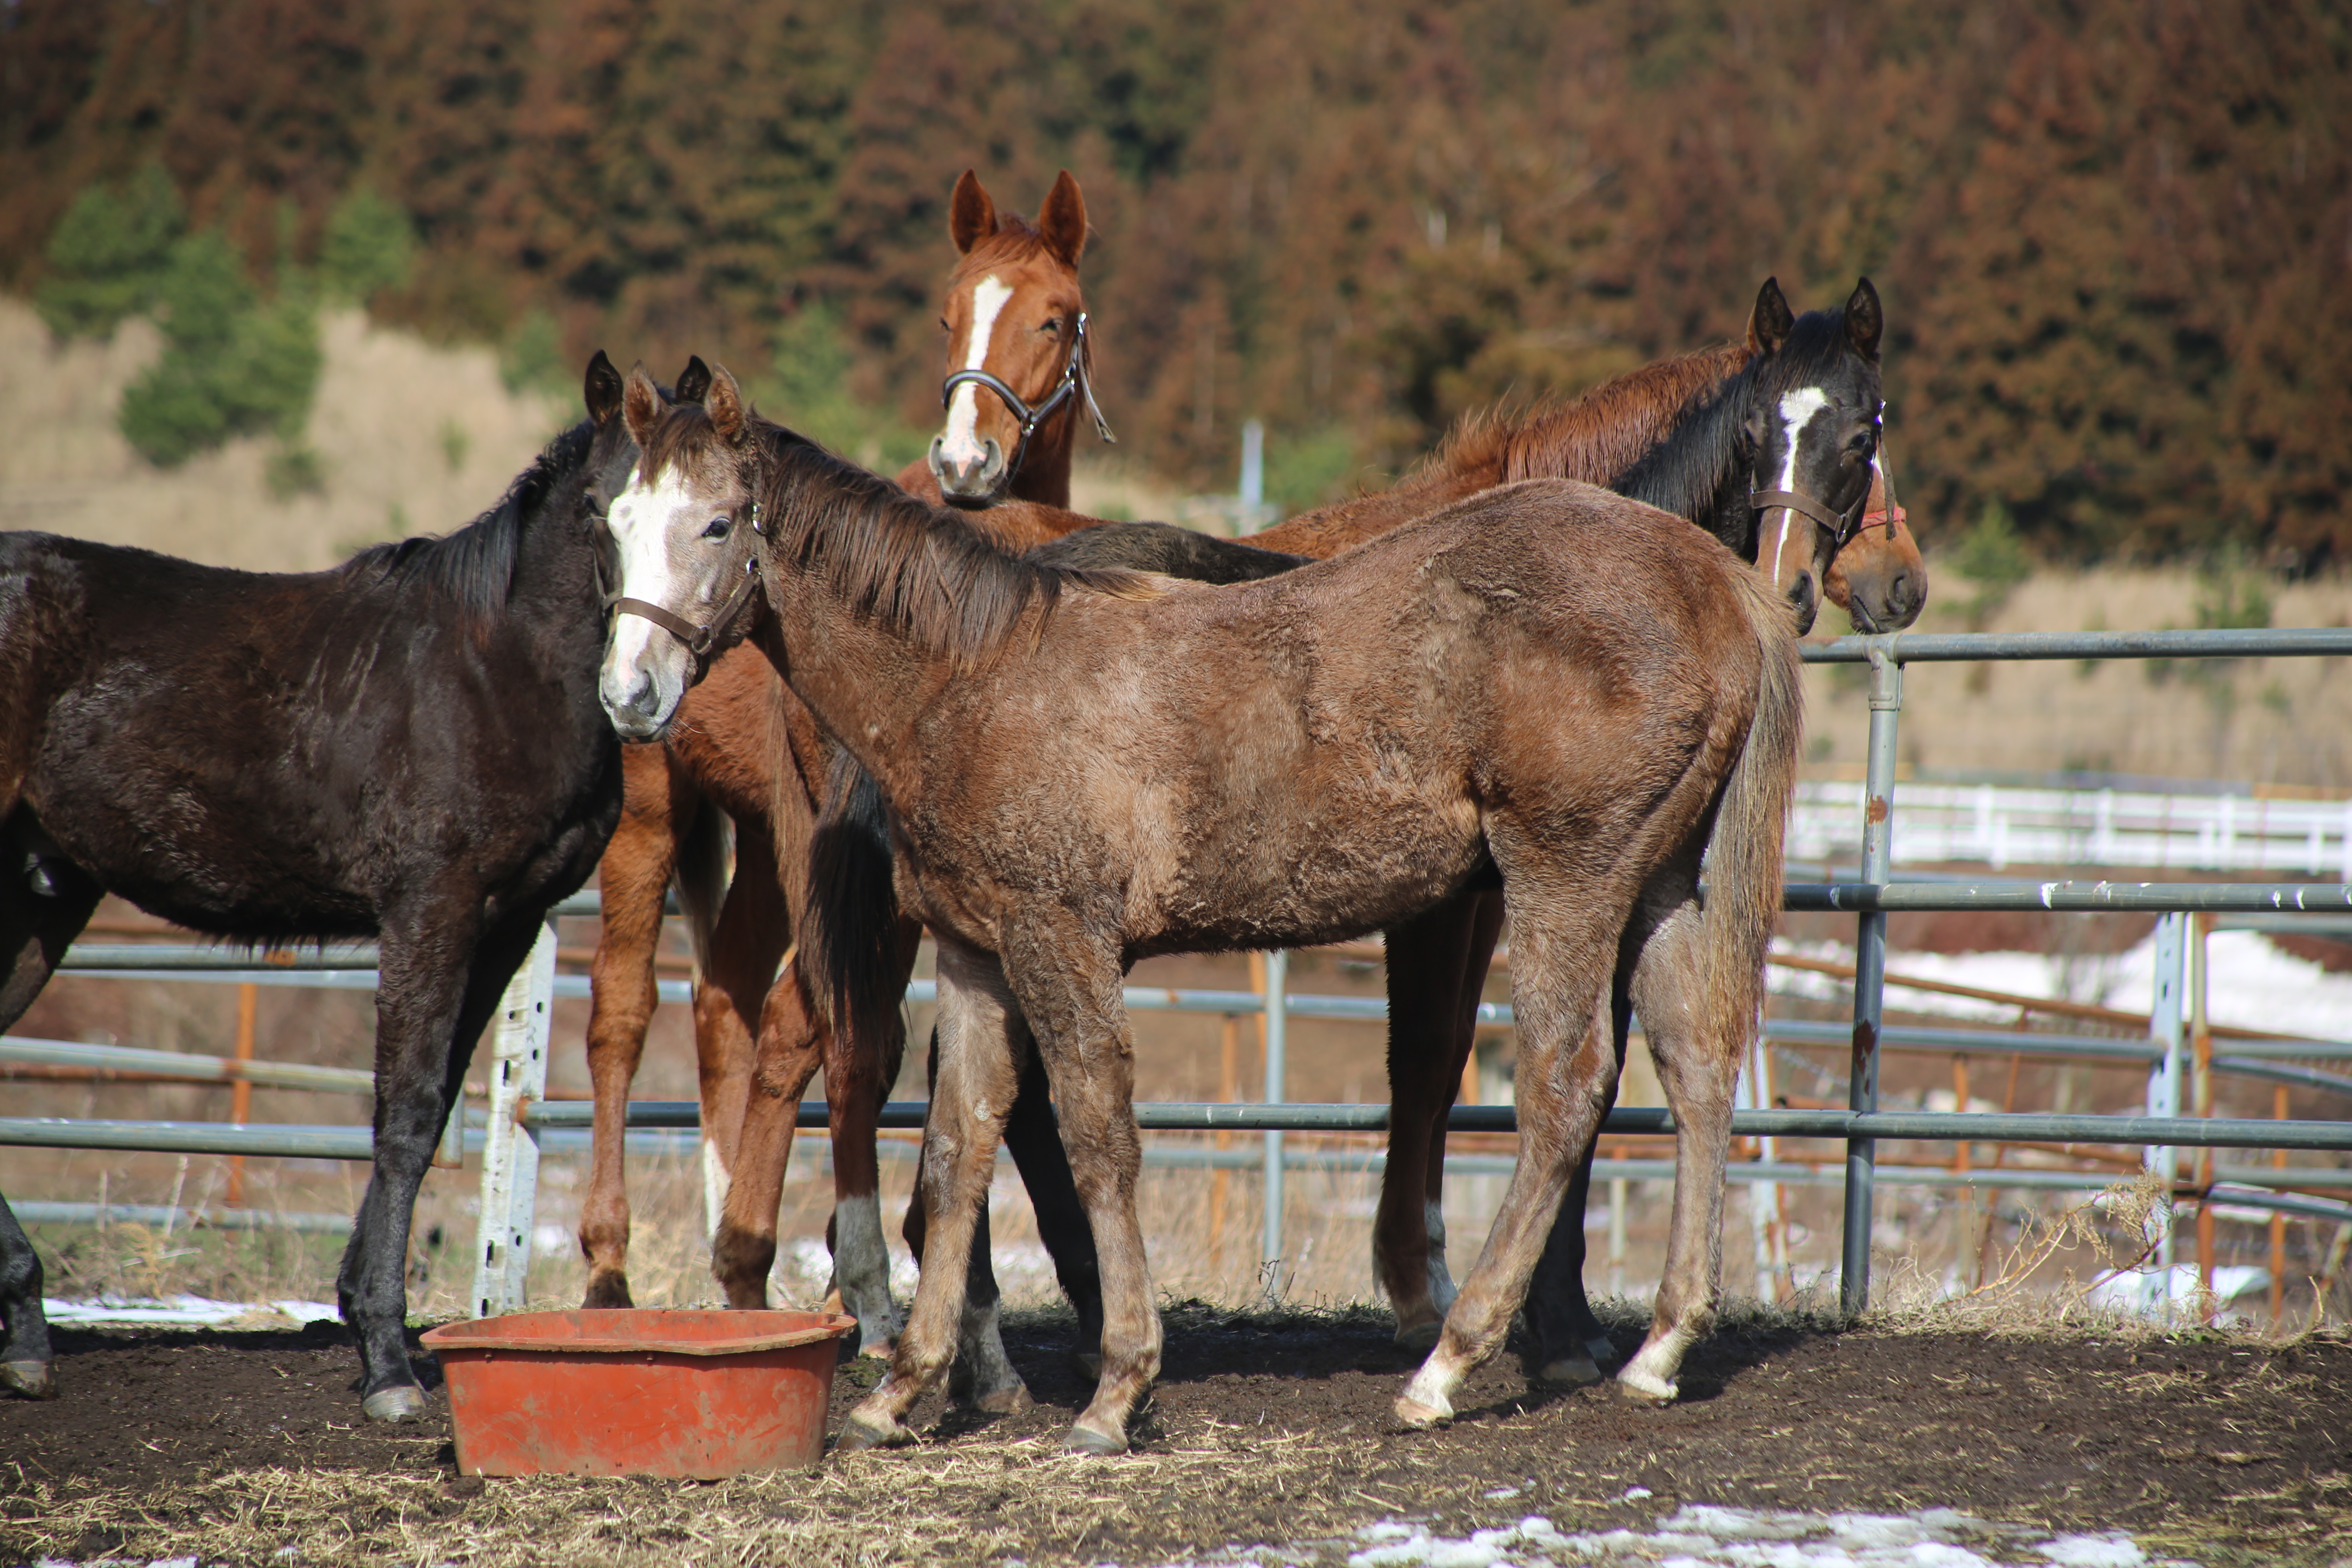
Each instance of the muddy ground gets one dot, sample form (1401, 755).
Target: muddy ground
(1269, 1427)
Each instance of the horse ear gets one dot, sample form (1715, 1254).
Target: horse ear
(1063, 220)
(1864, 320)
(694, 381)
(602, 390)
(1769, 324)
(971, 217)
(641, 402)
(725, 402)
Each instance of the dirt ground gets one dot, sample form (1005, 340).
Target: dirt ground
(1269, 1427)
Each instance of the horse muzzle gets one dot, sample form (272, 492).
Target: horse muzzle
(976, 482)
(638, 701)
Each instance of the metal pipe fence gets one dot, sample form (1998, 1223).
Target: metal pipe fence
(520, 1115)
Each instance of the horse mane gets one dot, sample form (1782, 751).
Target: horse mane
(1594, 437)
(919, 569)
(473, 568)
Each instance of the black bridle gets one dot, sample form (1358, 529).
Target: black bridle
(698, 640)
(1076, 381)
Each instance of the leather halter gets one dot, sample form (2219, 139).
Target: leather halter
(698, 640)
(1077, 382)
(1842, 527)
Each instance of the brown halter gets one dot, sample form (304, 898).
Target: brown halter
(698, 640)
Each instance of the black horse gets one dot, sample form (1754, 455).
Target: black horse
(408, 747)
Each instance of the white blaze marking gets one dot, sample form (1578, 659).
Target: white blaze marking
(1797, 410)
(960, 442)
(641, 518)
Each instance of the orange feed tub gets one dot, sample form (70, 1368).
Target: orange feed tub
(639, 1392)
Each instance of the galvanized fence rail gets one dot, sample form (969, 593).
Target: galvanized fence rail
(520, 1115)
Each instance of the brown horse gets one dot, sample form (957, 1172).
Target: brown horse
(745, 747)
(1437, 963)
(1547, 684)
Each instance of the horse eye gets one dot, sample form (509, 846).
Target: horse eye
(719, 528)
(943, 325)
(1053, 325)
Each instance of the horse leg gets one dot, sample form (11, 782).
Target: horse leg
(792, 1046)
(858, 1076)
(1033, 1138)
(983, 1376)
(25, 1354)
(1571, 1347)
(44, 904)
(735, 1007)
(440, 978)
(1426, 959)
(1068, 982)
(1695, 1037)
(971, 1091)
(633, 876)
(1485, 929)
(1560, 951)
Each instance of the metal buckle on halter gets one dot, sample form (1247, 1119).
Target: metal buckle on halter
(1075, 378)
(1841, 526)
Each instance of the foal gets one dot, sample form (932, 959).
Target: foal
(1549, 684)
(406, 747)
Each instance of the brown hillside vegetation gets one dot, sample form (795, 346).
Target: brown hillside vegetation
(2114, 236)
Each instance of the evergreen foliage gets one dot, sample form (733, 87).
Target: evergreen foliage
(232, 364)
(368, 246)
(108, 255)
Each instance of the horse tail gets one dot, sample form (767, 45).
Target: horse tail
(848, 939)
(705, 858)
(1744, 855)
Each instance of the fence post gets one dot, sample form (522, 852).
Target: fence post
(1277, 1022)
(2164, 1079)
(1870, 970)
(517, 1070)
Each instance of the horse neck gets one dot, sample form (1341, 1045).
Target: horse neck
(1695, 472)
(1045, 473)
(1602, 434)
(867, 683)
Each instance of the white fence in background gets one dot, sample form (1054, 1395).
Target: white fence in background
(2000, 826)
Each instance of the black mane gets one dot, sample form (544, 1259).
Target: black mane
(472, 569)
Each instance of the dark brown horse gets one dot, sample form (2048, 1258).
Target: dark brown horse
(1017, 358)
(1546, 684)
(407, 747)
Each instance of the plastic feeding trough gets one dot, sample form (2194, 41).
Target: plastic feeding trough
(639, 1393)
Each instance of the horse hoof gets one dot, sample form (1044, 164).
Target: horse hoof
(401, 1402)
(1010, 1400)
(881, 1350)
(1420, 1339)
(1413, 1415)
(860, 1432)
(1641, 1388)
(1087, 1440)
(33, 1379)
(1601, 1352)
(1567, 1372)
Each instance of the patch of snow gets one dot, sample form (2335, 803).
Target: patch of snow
(2115, 1551)
(1633, 1494)
(177, 1311)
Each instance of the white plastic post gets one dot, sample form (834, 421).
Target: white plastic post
(518, 1068)
(2164, 1081)
(1277, 1022)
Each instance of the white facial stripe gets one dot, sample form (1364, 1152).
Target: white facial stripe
(640, 519)
(1797, 410)
(960, 442)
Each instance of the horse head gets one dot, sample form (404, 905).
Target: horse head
(1808, 434)
(685, 586)
(1018, 360)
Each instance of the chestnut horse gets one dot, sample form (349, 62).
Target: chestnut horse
(1017, 358)
(1548, 685)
